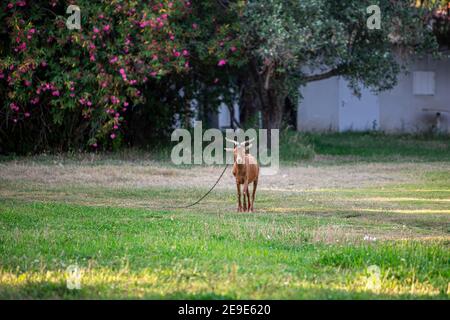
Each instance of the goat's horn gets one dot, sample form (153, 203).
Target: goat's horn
(247, 142)
(235, 142)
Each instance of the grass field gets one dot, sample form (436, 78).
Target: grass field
(318, 227)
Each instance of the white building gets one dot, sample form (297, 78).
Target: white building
(420, 102)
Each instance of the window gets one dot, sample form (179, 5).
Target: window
(423, 83)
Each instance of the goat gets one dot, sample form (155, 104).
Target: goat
(246, 171)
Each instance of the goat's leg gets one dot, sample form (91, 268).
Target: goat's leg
(249, 206)
(239, 209)
(244, 208)
(246, 196)
(255, 184)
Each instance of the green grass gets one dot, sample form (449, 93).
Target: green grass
(307, 244)
(297, 245)
(374, 146)
(295, 147)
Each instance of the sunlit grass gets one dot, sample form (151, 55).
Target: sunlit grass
(316, 243)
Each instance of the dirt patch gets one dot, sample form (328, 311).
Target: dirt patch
(141, 176)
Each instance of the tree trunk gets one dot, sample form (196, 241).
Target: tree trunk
(258, 96)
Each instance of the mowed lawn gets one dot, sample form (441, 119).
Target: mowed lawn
(317, 229)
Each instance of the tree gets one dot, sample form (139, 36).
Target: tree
(288, 43)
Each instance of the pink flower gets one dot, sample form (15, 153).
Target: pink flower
(176, 54)
(233, 49)
(185, 53)
(96, 30)
(194, 26)
(114, 100)
(94, 145)
(113, 60)
(106, 28)
(55, 93)
(27, 114)
(14, 107)
(113, 136)
(222, 62)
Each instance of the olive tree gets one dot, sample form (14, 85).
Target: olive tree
(289, 43)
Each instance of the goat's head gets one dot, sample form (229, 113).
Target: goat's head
(239, 150)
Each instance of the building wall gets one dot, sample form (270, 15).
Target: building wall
(402, 111)
(398, 110)
(318, 110)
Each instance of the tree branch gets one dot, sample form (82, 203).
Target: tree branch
(317, 77)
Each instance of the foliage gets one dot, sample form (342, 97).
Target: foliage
(131, 73)
(63, 88)
(300, 38)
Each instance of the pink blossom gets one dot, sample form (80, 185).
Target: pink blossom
(14, 107)
(114, 100)
(222, 62)
(123, 74)
(55, 93)
(185, 53)
(113, 136)
(113, 60)
(96, 30)
(233, 49)
(27, 114)
(106, 28)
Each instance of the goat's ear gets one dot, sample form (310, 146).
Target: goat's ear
(229, 149)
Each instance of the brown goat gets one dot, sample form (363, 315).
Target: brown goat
(246, 171)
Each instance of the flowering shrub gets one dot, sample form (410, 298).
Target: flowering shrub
(68, 87)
